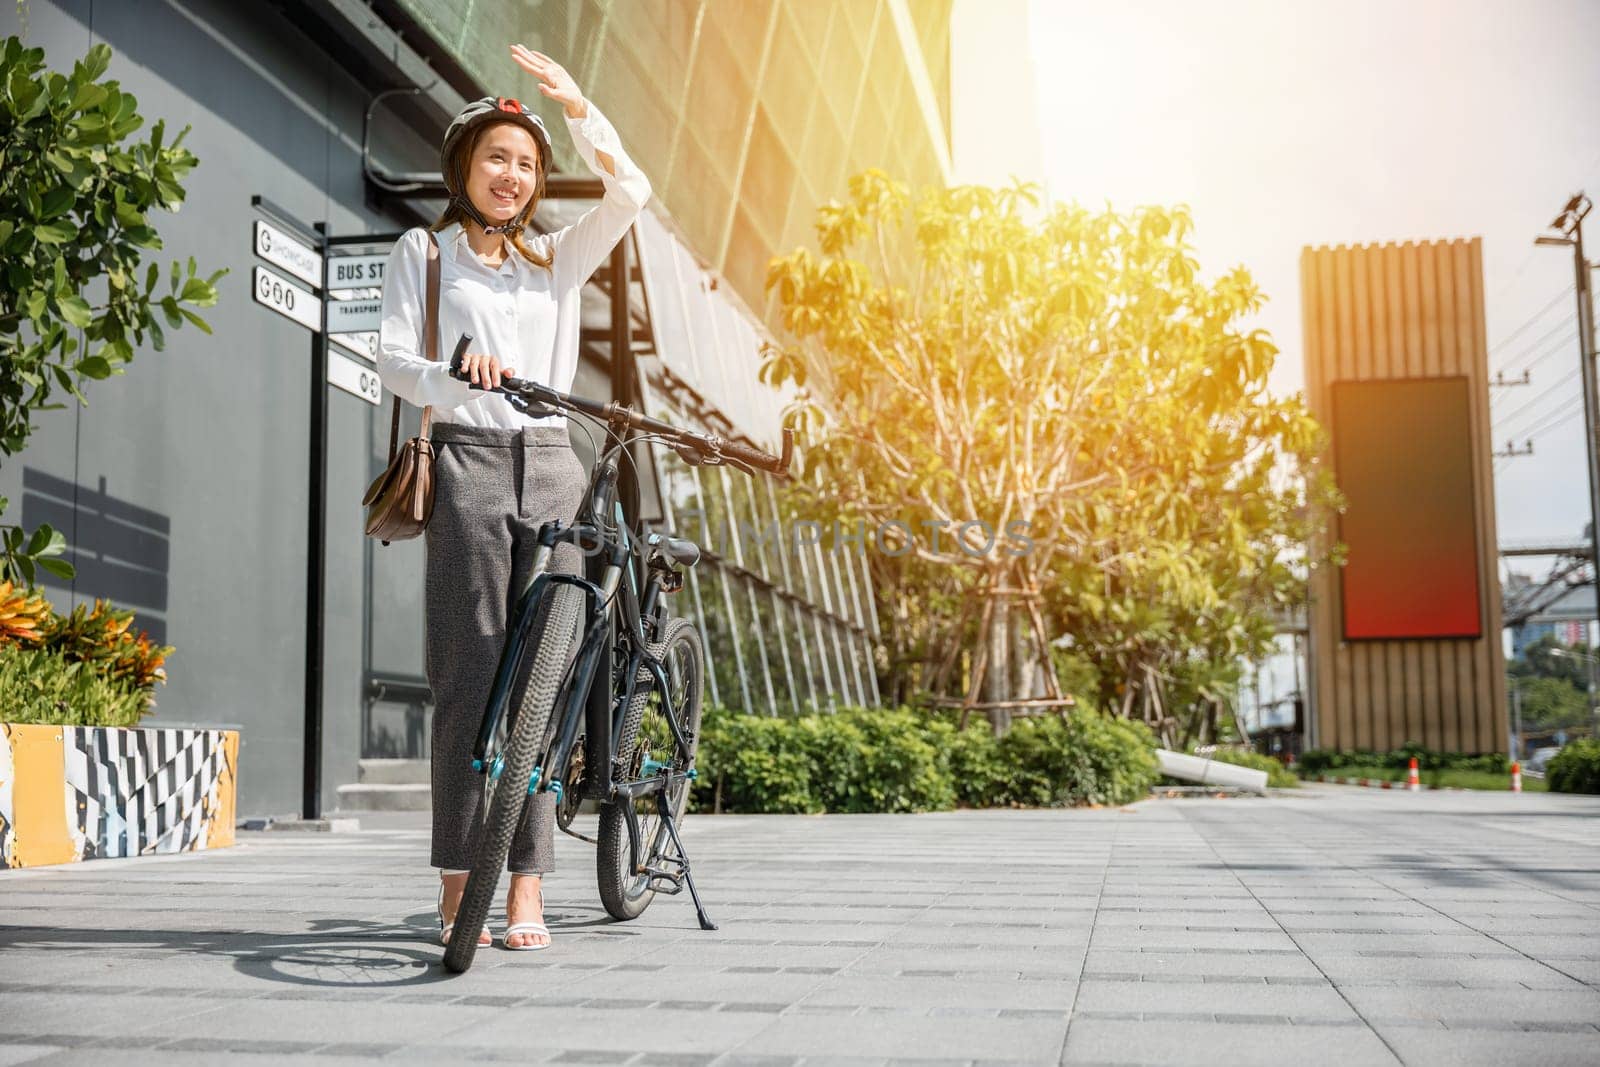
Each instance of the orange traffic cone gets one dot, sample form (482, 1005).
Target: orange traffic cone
(1413, 780)
(1516, 777)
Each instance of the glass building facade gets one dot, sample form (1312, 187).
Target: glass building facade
(748, 116)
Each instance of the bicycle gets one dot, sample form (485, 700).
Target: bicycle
(631, 750)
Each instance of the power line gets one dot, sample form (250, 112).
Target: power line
(1535, 317)
(1559, 329)
(1503, 459)
(1560, 346)
(1564, 411)
(1560, 383)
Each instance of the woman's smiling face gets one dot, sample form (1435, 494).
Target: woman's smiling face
(503, 171)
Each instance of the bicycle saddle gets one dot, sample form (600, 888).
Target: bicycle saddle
(681, 552)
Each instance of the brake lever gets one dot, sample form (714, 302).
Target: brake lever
(532, 408)
(689, 454)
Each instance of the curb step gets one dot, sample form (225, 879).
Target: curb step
(1384, 783)
(393, 772)
(398, 796)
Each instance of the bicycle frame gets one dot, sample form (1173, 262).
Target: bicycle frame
(600, 528)
(619, 545)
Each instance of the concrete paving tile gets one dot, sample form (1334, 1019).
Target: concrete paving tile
(335, 924)
(997, 960)
(43, 1013)
(1430, 1048)
(1504, 971)
(659, 1030)
(1319, 1001)
(1319, 945)
(1570, 946)
(940, 992)
(1133, 962)
(165, 1057)
(1133, 937)
(912, 1036)
(1224, 1044)
(1509, 1005)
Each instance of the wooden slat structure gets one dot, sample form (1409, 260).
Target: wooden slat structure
(1404, 311)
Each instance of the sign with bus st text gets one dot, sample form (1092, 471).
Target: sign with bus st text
(356, 272)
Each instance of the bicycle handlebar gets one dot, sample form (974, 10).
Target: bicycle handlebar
(703, 447)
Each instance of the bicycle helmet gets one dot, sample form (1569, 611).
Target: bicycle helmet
(477, 114)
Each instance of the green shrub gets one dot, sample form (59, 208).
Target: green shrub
(749, 763)
(1087, 758)
(1576, 768)
(42, 686)
(896, 759)
(1278, 776)
(883, 760)
(1327, 761)
(977, 771)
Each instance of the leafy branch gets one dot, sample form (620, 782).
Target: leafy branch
(76, 193)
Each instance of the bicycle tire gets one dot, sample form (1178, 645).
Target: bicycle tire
(499, 825)
(625, 894)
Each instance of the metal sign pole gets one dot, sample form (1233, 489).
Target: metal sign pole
(316, 551)
(1591, 427)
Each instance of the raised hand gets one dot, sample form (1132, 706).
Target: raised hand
(554, 81)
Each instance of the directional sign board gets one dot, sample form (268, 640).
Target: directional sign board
(355, 272)
(292, 254)
(353, 316)
(287, 299)
(364, 345)
(355, 378)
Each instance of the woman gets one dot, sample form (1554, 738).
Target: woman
(498, 473)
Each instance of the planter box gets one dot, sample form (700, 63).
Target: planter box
(71, 793)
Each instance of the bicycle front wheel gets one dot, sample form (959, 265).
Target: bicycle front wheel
(646, 750)
(505, 793)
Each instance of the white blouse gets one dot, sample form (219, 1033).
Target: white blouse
(519, 312)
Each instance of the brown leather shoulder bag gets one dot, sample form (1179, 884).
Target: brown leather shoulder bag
(400, 502)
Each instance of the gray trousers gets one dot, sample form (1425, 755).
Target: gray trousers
(493, 488)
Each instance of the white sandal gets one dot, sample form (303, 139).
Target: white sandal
(446, 929)
(529, 928)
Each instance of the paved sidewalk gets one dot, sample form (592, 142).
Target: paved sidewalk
(1331, 926)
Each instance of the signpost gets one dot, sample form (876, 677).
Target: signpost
(356, 272)
(355, 378)
(364, 345)
(353, 316)
(292, 254)
(302, 252)
(287, 299)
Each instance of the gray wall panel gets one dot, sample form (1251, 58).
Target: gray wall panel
(213, 432)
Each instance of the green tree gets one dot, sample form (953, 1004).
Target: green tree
(1074, 375)
(76, 192)
(1551, 703)
(1548, 657)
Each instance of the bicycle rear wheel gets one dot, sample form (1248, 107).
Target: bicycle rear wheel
(506, 793)
(646, 748)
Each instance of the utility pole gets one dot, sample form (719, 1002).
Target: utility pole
(1570, 225)
(1516, 704)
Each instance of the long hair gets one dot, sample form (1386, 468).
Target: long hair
(460, 162)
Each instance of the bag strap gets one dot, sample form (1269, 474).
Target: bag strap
(430, 328)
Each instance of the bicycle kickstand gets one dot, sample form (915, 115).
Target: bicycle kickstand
(672, 831)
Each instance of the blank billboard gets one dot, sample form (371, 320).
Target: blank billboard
(1403, 458)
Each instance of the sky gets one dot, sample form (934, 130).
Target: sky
(1288, 123)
